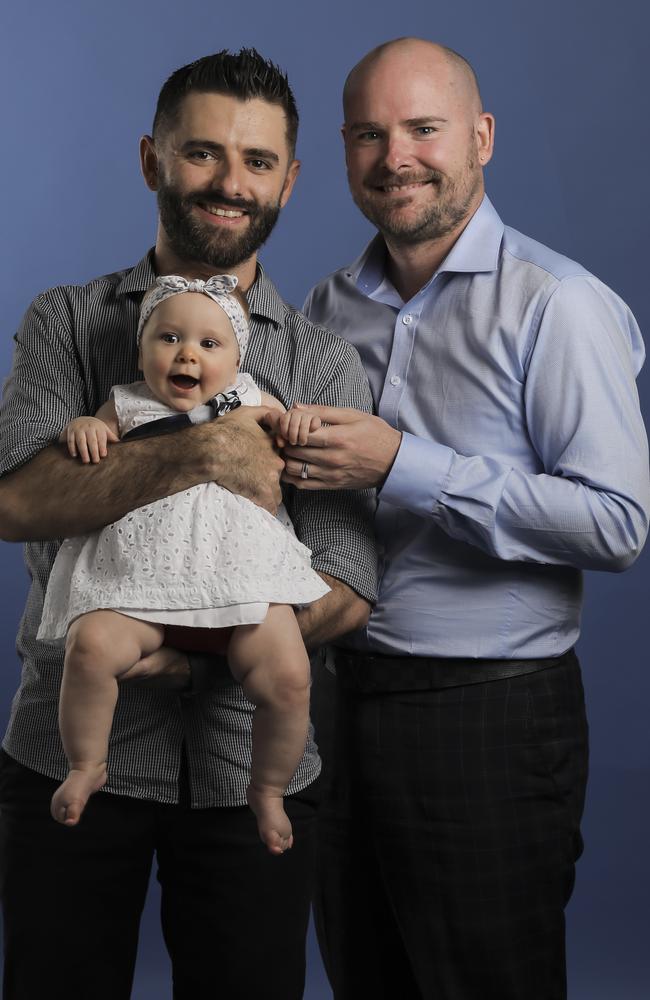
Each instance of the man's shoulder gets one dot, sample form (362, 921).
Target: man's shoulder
(318, 338)
(333, 284)
(545, 275)
(85, 288)
(335, 299)
(298, 321)
(526, 252)
(101, 289)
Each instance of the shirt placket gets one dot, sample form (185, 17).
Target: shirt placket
(394, 387)
(395, 381)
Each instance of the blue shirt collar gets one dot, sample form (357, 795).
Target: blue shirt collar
(476, 249)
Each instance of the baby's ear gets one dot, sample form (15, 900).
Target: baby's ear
(139, 359)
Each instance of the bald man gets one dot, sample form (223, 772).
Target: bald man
(509, 454)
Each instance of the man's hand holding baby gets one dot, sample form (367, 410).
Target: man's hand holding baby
(246, 459)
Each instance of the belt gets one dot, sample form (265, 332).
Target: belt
(375, 673)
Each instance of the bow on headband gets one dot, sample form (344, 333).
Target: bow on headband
(219, 288)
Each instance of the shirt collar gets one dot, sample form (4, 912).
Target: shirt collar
(263, 297)
(476, 249)
(140, 277)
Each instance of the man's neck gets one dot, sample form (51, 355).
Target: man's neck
(167, 262)
(410, 266)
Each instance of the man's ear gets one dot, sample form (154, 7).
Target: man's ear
(149, 162)
(485, 138)
(289, 181)
(344, 136)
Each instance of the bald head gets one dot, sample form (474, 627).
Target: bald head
(448, 70)
(416, 142)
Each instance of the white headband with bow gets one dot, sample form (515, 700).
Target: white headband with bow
(219, 288)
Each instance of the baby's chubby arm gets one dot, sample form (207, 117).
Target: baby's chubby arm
(87, 437)
(272, 402)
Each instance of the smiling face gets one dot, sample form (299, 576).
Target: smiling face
(222, 172)
(188, 351)
(415, 142)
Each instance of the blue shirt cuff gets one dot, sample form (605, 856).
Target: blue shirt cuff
(418, 474)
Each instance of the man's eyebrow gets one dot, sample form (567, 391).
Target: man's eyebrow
(365, 126)
(216, 147)
(427, 120)
(262, 154)
(202, 144)
(412, 122)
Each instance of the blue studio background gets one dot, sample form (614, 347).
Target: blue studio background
(567, 80)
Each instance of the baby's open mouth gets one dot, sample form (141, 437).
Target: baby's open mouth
(183, 381)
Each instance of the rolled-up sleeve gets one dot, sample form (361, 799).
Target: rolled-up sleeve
(44, 390)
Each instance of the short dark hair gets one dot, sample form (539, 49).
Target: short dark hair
(244, 74)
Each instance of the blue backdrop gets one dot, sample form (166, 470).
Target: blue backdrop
(567, 80)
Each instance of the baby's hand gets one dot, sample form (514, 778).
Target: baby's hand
(87, 438)
(295, 426)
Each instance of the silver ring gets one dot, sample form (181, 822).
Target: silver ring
(304, 472)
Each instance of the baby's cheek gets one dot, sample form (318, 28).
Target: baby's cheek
(160, 367)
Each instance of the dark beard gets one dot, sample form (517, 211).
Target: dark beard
(190, 239)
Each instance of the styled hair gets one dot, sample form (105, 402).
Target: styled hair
(244, 74)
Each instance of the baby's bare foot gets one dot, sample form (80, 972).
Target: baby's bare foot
(273, 823)
(69, 800)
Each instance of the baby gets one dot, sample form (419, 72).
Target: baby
(202, 558)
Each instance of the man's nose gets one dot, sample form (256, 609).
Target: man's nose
(397, 152)
(230, 177)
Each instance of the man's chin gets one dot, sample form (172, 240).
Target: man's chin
(408, 227)
(225, 250)
(400, 225)
(222, 255)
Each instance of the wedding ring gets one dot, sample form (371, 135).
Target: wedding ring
(304, 472)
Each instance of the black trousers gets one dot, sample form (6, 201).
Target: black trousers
(448, 837)
(234, 917)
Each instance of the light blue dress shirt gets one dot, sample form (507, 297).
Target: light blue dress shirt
(523, 460)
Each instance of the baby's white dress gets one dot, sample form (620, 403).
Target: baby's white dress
(202, 557)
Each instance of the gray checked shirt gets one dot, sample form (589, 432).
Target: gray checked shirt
(76, 342)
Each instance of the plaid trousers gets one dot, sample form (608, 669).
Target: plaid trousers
(448, 836)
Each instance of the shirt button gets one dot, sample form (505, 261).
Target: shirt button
(395, 380)
(407, 320)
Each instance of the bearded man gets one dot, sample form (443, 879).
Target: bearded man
(221, 160)
(510, 455)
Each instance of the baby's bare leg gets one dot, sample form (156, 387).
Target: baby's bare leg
(271, 663)
(100, 646)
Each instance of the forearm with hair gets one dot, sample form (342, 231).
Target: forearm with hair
(335, 614)
(55, 495)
